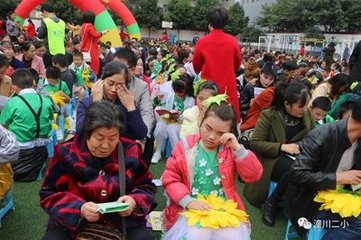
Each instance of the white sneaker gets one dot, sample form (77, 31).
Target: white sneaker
(156, 157)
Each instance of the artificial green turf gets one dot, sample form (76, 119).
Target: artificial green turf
(28, 221)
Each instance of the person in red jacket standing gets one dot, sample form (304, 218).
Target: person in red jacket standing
(90, 40)
(217, 56)
(30, 30)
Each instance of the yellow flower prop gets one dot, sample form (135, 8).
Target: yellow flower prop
(343, 202)
(223, 214)
(86, 74)
(215, 99)
(57, 98)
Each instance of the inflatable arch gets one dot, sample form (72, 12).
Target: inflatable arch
(103, 19)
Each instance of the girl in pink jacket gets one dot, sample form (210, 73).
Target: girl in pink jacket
(206, 164)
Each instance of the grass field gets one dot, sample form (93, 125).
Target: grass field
(28, 221)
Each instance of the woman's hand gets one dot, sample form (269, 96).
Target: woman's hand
(349, 177)
(126, 97)
(291, 148)
(89, 211)
(97, 90)
(230, 140)
(131, 202)
(198, 205)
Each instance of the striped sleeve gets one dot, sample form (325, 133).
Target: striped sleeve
(9, 147)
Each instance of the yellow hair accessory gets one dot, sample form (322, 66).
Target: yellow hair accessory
(345, 203)
(223, 213)
(216, 99)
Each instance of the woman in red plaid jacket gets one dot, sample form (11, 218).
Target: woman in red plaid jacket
(85, 171)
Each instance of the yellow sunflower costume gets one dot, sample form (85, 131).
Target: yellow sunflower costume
(344, 202)
(223, 221)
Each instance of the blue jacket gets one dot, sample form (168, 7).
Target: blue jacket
(134, 127)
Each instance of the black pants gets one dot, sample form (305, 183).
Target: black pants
(280, 174)
(148, 150)
(29, 164)
(54, 232)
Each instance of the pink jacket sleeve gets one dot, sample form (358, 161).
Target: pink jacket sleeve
(175, 176)
(41, 67)
(248, 166)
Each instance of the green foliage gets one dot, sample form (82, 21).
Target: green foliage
(147, 13)
(181, 14)
(7, 6)
(286, 16)
(301, 15)
(200, 11)
(237, 20)
(66, 11)
(251, 33)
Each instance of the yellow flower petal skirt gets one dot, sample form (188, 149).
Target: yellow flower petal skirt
(223, 214)
(343, 202)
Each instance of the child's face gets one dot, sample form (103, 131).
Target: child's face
(78, 61)
(323, 65)
(53, 82)
(266, 79)
(211, 131)
(318, 114)
(333, 67)
(181, 95)
(202, 96)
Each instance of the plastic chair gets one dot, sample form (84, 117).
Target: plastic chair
(9, 205)
(315, 233)
(168, 149)
(272, 186)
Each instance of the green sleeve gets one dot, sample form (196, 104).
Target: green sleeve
(336, 106)
(65, 88)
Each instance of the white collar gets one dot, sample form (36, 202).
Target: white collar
(27, 91)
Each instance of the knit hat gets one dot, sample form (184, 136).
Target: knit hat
(270, 68)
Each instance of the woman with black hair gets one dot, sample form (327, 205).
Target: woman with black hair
(30, 59)
(275, 141)
(90, 40)
(332, 88)
(112, 87)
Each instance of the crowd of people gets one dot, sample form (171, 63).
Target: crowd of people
(211, 110)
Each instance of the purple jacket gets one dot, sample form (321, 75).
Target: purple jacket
(134, 127)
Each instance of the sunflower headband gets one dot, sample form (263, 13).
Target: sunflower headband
(216, 100)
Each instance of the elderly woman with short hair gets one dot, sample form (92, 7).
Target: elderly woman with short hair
(85, 171)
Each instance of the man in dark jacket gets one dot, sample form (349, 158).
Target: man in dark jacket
(330, 156)
(355, 63)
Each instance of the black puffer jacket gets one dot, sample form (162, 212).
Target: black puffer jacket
(355, 63)
(315, 169)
